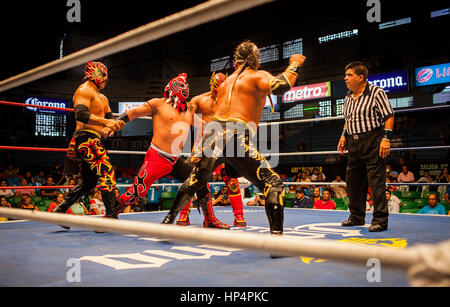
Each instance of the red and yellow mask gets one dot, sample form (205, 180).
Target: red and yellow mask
(96, 72)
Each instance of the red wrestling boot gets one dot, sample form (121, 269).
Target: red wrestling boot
(183, 220)
(234, 193)
(210, 219)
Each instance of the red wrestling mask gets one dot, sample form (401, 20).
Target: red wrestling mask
(177, 92)
(96, 72)
(215, 82)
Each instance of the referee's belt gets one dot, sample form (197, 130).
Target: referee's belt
(358, 136)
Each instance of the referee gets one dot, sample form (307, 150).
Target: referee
(369, 120)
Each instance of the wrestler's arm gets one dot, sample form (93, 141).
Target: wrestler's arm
(194, 107)
(82, 102)
(147, 109)
(278, 85)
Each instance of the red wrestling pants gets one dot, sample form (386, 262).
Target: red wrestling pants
(156, 164)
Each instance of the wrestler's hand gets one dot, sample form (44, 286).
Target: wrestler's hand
(300, 59)
(341, 145)
(107, 132)
(385, 148)
(114, 125)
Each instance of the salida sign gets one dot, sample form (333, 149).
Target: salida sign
(308, 92)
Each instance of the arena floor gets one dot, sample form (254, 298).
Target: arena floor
(41, 255)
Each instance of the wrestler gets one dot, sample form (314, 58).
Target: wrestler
(86, 154)
(241, 99)
(163, 157)
(205, 104)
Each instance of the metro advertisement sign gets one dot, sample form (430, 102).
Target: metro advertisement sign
(308, 92)
(46, 102)
(391, 82)
(436, 74)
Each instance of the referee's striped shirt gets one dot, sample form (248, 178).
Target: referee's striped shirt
(368, 111)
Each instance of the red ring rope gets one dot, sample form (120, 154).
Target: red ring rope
(33, 106)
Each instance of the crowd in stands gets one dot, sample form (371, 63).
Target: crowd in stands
(401, 199)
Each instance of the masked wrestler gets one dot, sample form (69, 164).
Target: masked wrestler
(172, 118)
(206, 105)
(87, 155)
(241, 99)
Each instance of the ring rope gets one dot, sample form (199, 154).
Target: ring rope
(306, 153)
(181, 21)
(287, 122)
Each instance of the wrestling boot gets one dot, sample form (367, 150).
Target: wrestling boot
(210, 220)
(183, 220)
(110, 205)
(182, 199)
(236, 204)
(74, 194)
(275, 215)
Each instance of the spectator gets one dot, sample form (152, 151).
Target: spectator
(49, 193)
(396, 142)
(20, 192)
(221, 198)
(316, 195)
(443, 177)
(301, 201)
(405, 175)
(433, 206)
(25, 203)
(369, 203)
(57, 173)
(40, 178)
(7, 192)
(96, 204)
(325, 202)
(330, 159)
(11, 171)
(393, 201)
(292, 189)
(29, 178)
(259, 200)
(304, 178)
(390, 172)
(320, 179)
(339, 190)
(4, 202)
(71, 183)
(308, 174)
(76, 209)
(316, 173)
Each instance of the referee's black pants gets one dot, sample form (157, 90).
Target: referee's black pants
(365, 169)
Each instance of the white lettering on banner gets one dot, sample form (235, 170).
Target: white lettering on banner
(390, 82)
(312, 91)
(36, 102)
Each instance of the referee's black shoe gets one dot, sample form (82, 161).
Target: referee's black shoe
(350, 223)
(377, 228)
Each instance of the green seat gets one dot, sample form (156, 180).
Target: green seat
(421, 202)
(426, 194)
(338, 201)
(343, 208)
(413, 211)
(288, 199)
(168, 195)
(412, 195)
(167, 204)
(44, 204)
(346, 200)
(408, 204)
(399, 194)
(35, 199)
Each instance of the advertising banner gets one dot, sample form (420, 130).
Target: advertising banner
(436, 74)
(46, 102)
(390, 82)
(308, 92)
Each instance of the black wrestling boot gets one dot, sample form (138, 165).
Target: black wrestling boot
(110, 205)
(180, 201)
(74, 194)
(275, 215)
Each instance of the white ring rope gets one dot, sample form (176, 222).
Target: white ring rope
(189, 18)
